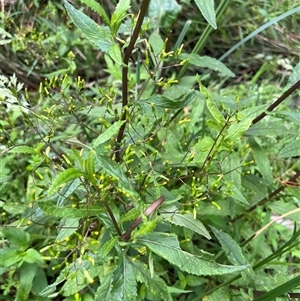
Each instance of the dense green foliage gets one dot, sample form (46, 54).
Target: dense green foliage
(135, 165)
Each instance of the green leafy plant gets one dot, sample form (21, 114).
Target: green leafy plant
(133, 184)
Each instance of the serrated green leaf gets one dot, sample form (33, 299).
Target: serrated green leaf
(291, 149)
(130, 215)
(17, 237)
(99, 35)
(23, 149)
(95, 6)
(89, 165)
(207, 9)
(167, 246)
(109, 133)
(107, 247)
(207, 62)
(188, 221)
(63, 178)
(211, 105)
(124, 283)
(49, 208)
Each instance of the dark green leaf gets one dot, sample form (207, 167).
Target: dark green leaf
(124, 283)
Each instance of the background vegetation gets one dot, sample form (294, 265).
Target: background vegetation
(200, 168)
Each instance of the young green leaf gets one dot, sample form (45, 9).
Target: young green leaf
(119, 14)
(89, 165)
(211, 105)
(33, 256)
(109, 133)
(188, 221)
(167, 246)
(23, 149)
(95, 6)
(207, 9)
(207, 62)
(63, 178)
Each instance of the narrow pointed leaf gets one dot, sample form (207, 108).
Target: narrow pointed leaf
(23, 149)
(211, 105)
(109, 133)
(207, 62)
(63, 178)
(207, 9)
(167, 246)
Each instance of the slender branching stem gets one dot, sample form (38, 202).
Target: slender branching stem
(276, 103)
(127, 54)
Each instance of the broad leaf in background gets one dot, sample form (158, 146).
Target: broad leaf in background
(167, 246)
(207, 62)
(99, 35)
(291, 149)
(207, 8)
(17, 237)
(27, 273)
(188, 221)
(163, 13)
